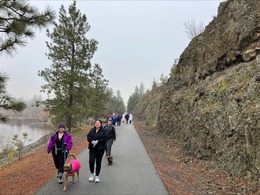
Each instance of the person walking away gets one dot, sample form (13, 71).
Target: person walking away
(118, 120)
(96, 145)
(107, 116)
(110, 138)
(127, 118)
(59, 145)
(130, 118)
(114, 118)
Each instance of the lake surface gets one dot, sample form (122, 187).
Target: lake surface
(36, 129)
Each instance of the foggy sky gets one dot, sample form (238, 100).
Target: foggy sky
(138, 41)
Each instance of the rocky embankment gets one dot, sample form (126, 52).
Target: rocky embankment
(211, 102)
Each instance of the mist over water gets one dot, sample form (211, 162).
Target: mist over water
(36, 129)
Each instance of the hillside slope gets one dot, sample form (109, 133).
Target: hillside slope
(211, 101)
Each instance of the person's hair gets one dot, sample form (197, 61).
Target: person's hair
(100, 123)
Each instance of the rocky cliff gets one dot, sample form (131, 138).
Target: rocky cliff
(211, 102)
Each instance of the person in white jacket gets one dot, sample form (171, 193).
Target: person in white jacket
(130, 118)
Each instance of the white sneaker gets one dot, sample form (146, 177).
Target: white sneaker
(97, 179)
(60, 180)
(91, 177)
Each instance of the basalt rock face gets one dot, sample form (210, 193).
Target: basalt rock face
(147, 109)
(211, 102)
(218, 118)
(231, 38)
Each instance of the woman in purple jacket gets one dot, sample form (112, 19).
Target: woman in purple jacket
(60, 144)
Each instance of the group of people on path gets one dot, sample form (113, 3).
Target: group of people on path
(128, 118)
(100, 140)
(118, 118)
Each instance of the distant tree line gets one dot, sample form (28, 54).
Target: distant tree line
(140, 91)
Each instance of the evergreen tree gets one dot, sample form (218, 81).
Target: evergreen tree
(163, 79)
(115, 102)
(97, 100)
(17, 20)
(119, 104)
(7, 102)
(110, 99)
(68, 78)
(135, 97)
(20, 144)
(173, 68)
(154, 84)
(141, 89)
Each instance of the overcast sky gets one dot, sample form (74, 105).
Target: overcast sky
(138, 41)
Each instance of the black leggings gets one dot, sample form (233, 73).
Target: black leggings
(95, 156)
(59, 161)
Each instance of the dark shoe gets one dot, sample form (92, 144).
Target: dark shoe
(110, 160)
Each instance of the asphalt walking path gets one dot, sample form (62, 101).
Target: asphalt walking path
(132, 171)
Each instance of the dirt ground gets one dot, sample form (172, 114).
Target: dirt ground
(24, 177)
(181, 174)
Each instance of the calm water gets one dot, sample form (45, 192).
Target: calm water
(35, 128)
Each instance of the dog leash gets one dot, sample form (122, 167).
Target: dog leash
(65, 156)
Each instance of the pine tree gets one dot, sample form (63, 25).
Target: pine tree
(8, 102)
(98, 96)
(135, 97)
(17, 20)
(115, 102)
(119, 104)
(68, 78)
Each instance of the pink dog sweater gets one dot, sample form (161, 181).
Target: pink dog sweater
(75, 166)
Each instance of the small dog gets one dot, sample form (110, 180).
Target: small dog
(70, 169)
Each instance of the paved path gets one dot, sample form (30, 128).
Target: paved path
(131, 173)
